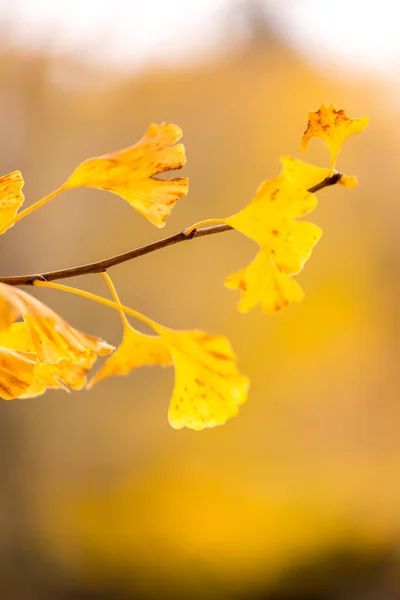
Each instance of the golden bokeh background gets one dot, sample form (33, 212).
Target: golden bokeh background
(299, 496)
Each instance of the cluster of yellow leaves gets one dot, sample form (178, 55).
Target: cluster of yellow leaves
(43, 351)
(270, 218)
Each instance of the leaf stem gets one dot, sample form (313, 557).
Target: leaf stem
(89, 296)
(189, 230)
(30, 209)
(113, 291)
(102, 265)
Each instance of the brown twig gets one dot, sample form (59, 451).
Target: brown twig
(102, 265)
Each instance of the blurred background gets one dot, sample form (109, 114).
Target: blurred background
(298, 498)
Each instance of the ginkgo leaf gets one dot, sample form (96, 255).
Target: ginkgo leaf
(208, 387)
(332, 126)
(307, 176)
(261, 282)
(11, 198)
(53, 339)
(136, 350)
(62, 375)
(129, 173)
(17, 373)
(269, 220)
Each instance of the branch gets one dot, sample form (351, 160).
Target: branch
(102, 265)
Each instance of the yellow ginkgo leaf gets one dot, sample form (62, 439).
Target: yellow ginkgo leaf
(11, 198)
(53, 339)
(17, 373)
(208, 387)
(261, 282)
(269, 220)
(332, 126)
(136, 350)
(62, 375)
(307, 176)
(129, 173)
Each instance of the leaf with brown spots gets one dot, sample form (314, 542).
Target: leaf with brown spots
(11, 198)
(332, 126)
(269, 220)
(129, 173)
(307, 176)
(208, 387)
(262, 282)
(136, 350)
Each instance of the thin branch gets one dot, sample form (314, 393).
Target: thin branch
(102, 265)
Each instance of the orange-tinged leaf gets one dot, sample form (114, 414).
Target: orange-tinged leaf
(208, 387)
(269, 220)
(62, 375)
(11, 198)
(332, 126)
(129, 173)
(136, 350)
(307, 176)
(53, 339)
(261, 282)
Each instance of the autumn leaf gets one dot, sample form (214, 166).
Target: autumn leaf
(62, 375)
(208, 387)
(332, 126)
(307, 176)
(11, 198)
(136, 350)
(53, 339)
(269, 220)
(286, 244)
(262, 282)
(129, 173)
